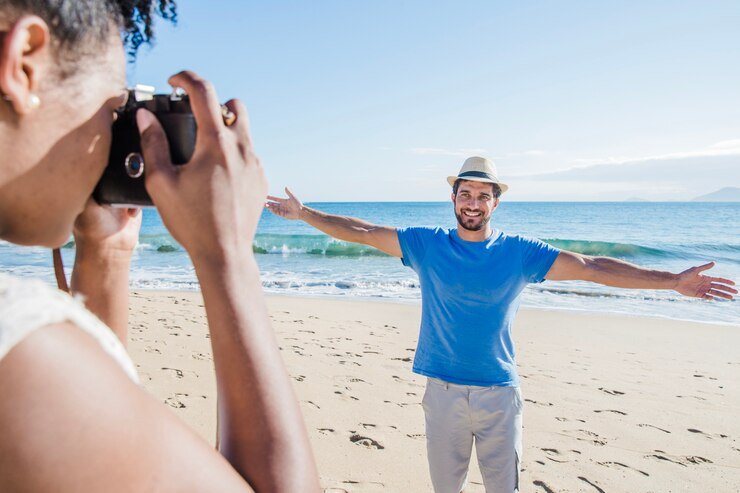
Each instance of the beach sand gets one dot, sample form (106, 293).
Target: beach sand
(612, 403)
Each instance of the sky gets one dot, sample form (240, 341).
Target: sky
(382, 100)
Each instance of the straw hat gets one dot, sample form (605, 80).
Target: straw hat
(478, 168)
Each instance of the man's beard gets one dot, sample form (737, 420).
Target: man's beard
(471, 223)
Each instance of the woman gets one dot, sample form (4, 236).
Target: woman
(72, 417)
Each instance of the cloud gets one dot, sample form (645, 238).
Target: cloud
(435, 151)
(533, 152)
(721, 158)
(726, 144)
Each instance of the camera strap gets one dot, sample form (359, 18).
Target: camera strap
(59, 270)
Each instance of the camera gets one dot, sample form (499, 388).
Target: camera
(122, 183)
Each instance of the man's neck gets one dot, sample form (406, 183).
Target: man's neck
(480, 235)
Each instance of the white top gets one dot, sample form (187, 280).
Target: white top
(29, 304)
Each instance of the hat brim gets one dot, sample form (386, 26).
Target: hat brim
(452, 179)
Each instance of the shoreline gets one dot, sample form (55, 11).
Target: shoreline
(625, 403)
(417, 302)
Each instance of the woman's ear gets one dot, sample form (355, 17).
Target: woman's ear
(24, 58)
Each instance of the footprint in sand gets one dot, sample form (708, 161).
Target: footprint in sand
(694, 430)
(325, 431)
(611, 392)
(556, 455)
(591, 484)
(610, 411)
(537, 403)
(178, 372)
(645, 425)
(174, 401)
(312, 403)
(699, 375)
(692, 397)
(544, 486)
(591, 437)
(677, 459)
(339, 392)
(345, 362)
(365, 442)
(613, 464)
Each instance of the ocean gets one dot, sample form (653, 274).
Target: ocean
(296, 259)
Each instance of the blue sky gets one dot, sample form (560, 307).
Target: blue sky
(374, 101)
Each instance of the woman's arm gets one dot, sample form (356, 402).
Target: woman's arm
(105, 239)
(72, 421)
(211, 206)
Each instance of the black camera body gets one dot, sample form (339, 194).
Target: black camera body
(122, 183)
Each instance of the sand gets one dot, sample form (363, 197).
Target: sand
(612, 403)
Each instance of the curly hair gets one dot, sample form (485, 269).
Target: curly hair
(78, 27)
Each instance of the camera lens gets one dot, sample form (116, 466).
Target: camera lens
(134, 165)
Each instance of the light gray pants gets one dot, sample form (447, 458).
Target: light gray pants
(458, 416)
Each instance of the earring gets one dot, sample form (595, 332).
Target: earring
(33, 101)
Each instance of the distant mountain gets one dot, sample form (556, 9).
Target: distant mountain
(727, 194)
(636, 199)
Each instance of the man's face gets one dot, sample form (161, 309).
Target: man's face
(474, 204)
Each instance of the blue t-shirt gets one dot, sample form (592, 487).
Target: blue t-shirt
(470, 293)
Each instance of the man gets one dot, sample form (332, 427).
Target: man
(471, 279)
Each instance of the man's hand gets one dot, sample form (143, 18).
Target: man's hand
(693, 283)
(289, 208)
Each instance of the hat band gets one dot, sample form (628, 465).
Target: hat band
(477, 174)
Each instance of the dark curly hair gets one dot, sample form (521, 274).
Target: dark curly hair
(78, 27)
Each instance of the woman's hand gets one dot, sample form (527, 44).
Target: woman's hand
(107, 230)
(212, 204)
(105, 238)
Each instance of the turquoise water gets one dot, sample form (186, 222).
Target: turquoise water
(296, 259)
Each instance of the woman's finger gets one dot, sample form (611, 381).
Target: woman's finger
(203, 102)
(241, 125)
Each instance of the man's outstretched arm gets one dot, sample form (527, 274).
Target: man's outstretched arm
(384, 238)
(571, 266)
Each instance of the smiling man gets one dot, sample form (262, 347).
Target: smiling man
(471, 281)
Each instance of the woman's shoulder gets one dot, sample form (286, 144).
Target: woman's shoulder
(27, 304)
